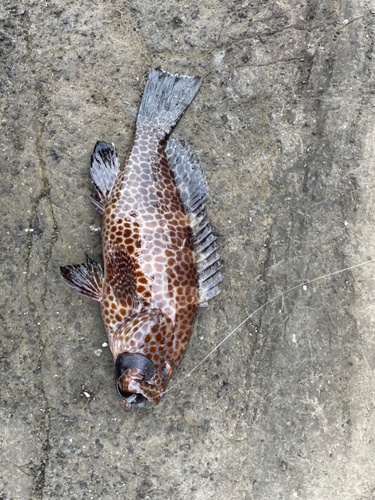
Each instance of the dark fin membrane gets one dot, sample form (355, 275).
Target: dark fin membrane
(105, 167)
(193, 191)
(121, 276)
(165, 99)
(86, 279)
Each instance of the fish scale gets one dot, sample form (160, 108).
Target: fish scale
(155, 232)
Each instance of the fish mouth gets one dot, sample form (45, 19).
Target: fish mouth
(133, 398)
(124, 362)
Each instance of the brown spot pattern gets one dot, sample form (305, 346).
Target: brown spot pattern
(160, 258)
(145, 218)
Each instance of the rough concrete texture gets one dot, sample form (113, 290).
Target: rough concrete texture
(284, 128)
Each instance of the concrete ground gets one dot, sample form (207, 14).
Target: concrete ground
(284, 128)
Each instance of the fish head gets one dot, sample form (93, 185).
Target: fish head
(143, 369)
(131, 370)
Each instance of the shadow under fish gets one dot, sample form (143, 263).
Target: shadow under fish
(160, 256)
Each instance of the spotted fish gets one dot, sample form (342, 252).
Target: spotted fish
(160, 256)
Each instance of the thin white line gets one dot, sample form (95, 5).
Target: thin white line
(257, 310)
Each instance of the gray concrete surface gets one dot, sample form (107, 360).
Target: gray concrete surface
(284, 128)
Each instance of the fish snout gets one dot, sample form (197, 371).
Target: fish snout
(142, 369)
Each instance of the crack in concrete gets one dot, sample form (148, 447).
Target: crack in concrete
(18, 467)
(44, 192)
(267, 32)
(262, 298)
(263, 295)
(351, 22)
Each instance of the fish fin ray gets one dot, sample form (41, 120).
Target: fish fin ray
(86, 279)
(96, 198)
(188, 175)
(121, 276)
(165, 99)
(192, 187)
(105, 167)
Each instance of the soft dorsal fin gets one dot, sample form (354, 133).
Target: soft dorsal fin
(120, 273)
(192, 187)
(85, 279)
(187, 174)
(105, 167)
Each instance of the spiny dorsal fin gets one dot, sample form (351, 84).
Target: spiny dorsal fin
(121, 276)
(85, 279)
(192, 187)
(105, 167)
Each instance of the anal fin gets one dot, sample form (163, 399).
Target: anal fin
(192, 187)
(85, 279)
(105, 167)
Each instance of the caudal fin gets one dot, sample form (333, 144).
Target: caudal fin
(165, 99)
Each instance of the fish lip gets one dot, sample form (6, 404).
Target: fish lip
(127, 360)
(132, 398)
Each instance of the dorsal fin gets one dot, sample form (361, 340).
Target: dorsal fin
(105, 167)
(192, 187)
(120, 273)
(187, 174)
(85, 279)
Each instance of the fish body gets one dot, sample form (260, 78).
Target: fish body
(160, 257)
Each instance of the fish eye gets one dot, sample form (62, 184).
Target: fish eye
(165, 369)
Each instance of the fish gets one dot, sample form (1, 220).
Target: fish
(160, 256)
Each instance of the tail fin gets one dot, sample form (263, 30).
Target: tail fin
(165, 99)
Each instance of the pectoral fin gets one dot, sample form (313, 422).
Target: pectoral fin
(85, 279)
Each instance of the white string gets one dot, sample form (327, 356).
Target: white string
(257, 310)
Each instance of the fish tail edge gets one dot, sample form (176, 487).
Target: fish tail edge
(165, 99)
